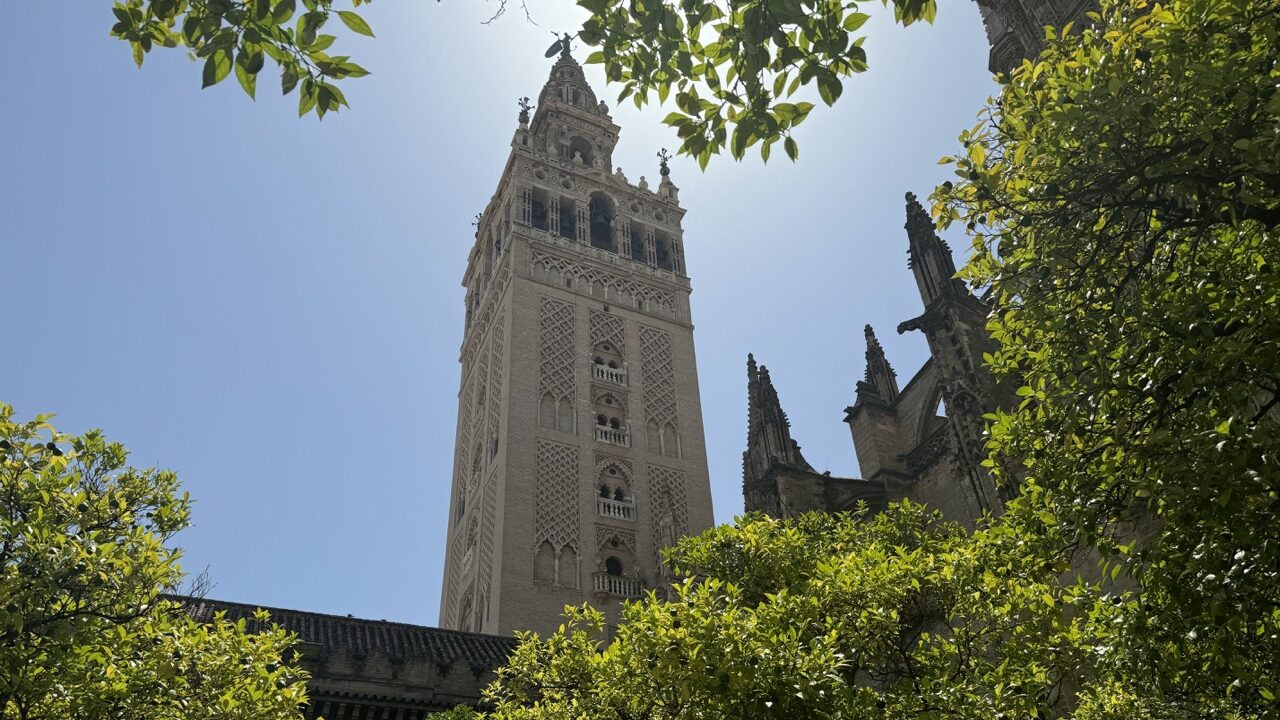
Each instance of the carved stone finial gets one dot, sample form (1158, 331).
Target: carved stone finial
(525, 107)
(880, 382)
(663, 157)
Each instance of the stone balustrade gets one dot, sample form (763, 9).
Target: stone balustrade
(616, 509)
(617, 376)
(617, 585)
(613, 436)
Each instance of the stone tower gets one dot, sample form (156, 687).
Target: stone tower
(579, 452)
(1015, 28)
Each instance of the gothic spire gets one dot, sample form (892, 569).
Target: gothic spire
(881, 382)
(768, 429)
(929, 255)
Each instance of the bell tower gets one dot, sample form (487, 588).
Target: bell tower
(579, 451)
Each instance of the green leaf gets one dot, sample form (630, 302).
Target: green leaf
(283, 11)
(288, 80)
(829, 87)
(216, 68)
(248, 81)
(854, 21)
(793, 151)
(355, 22)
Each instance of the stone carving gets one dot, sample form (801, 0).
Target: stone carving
(670, 510)
(557, 512)
(456, 549)
(581, 273)
(488, 500)
(616, 538)
(493, 415)
(556, 345)
(608, 328)
(477, 417)
(933, 448)
(657, 376)
(480, 328)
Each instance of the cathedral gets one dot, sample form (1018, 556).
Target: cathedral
(579, 451)
(922, 441)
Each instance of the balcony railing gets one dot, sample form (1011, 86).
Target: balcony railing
(613, 436)
(616, 509)
(617, 585)
(608, 374)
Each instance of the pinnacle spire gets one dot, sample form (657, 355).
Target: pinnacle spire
(768, 429)
(929, 256)
(881, 382)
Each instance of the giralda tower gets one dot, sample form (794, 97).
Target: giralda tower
(579, 452)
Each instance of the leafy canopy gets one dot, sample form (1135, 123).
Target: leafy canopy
(735, 67)
(824, 616)
(240, 35)
(84, 558)
(1123, 194)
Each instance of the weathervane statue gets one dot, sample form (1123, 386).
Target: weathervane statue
(561, 45)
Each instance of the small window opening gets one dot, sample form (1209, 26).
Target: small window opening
(602, 420)
(619, 495)
(580, 148)
(613, 566)
(638, 251)
(663, 251)
(604, 491)
(568, 222)
(538, 210)
(600, 210)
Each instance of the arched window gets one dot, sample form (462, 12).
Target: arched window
(539, 210)
(613, 566)
(600, 211)
(568, 219)
(613, 423)
(580, 147)
(619, 495)
(601, 420)
(604, 491)
(662, 246)
(639, 252)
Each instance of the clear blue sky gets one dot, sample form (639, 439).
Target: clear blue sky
(271, 306)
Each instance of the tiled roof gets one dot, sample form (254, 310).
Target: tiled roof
(399, 641)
